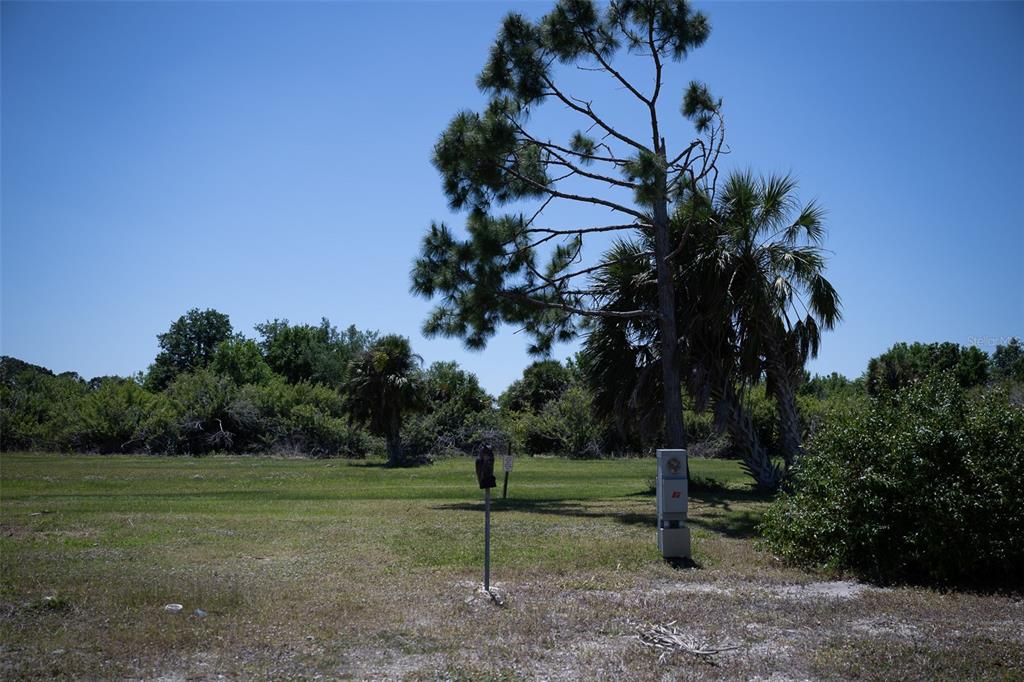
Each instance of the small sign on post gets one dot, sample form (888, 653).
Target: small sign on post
(485, 477)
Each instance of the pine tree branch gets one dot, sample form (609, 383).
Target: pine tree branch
(553, 281)
(587, 312)
(584, 230)
(588, 111)
(608, 67)
(652, 102)
(554, 234)
(574, 197)
(560, 161)
(538, 211)
(657, 63)
(549, 145)
(686, 152)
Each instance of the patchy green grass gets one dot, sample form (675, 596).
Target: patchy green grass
(349, 569)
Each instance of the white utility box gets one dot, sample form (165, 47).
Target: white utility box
(672, 496)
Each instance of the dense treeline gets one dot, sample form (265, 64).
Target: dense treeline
(318, 391)
(295, 389)
(209, 389)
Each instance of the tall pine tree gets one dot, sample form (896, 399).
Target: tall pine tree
(512, 267)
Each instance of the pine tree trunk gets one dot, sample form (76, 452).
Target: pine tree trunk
(756, 461)
(675, 435)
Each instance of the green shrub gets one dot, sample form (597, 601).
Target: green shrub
(578, 430)
(110, 417)
(457, 411)
(564, 426)
(304, 418)
(422, 436)
(920, 486)
(318, 434)
(765, 417)
(36, 406)
(434, 435)
(700, 426)
(203, 416)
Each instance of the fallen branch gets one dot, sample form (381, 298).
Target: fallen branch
(669, 640)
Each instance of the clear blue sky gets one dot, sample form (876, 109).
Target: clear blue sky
(272, 160)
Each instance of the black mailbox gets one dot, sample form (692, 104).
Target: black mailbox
(485, 468)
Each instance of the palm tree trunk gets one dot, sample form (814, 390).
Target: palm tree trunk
(790, 440)
(756, 461)
(394, 446)
(722, 411)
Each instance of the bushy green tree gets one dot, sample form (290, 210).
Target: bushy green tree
(1008, 361)
(202, 416)
(36, 406)
(241, 360)
(549, 410)
(304, 418)
(318, 353)
(447, 385)
(110, 417)
(455, 410)
(542, 382)
(385, 385)
(904, 364)
(189, 344)
(831, 385)
(565, 425)
(521, 269)
(924, 486)
(972, 367)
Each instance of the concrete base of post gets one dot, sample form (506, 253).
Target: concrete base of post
(674, 543)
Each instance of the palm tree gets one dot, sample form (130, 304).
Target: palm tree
(777, 292)
(751, 303)
(384, 384)
(621, 360)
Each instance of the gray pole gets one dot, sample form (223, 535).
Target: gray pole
(504, 488)
(487, 539)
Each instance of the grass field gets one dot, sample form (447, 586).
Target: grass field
(337, 569)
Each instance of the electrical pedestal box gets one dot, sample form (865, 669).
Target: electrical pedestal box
(672, 496)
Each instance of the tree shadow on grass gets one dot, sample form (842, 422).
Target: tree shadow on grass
(718, 510)
(574, 508)
(721, 516)
(714, 493)
(738, 525)
(716, 515)
(413, 463)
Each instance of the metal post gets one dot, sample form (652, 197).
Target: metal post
(487, 539)
(504, 487)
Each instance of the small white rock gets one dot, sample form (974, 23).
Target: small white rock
(174, 608)
(199, 613)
